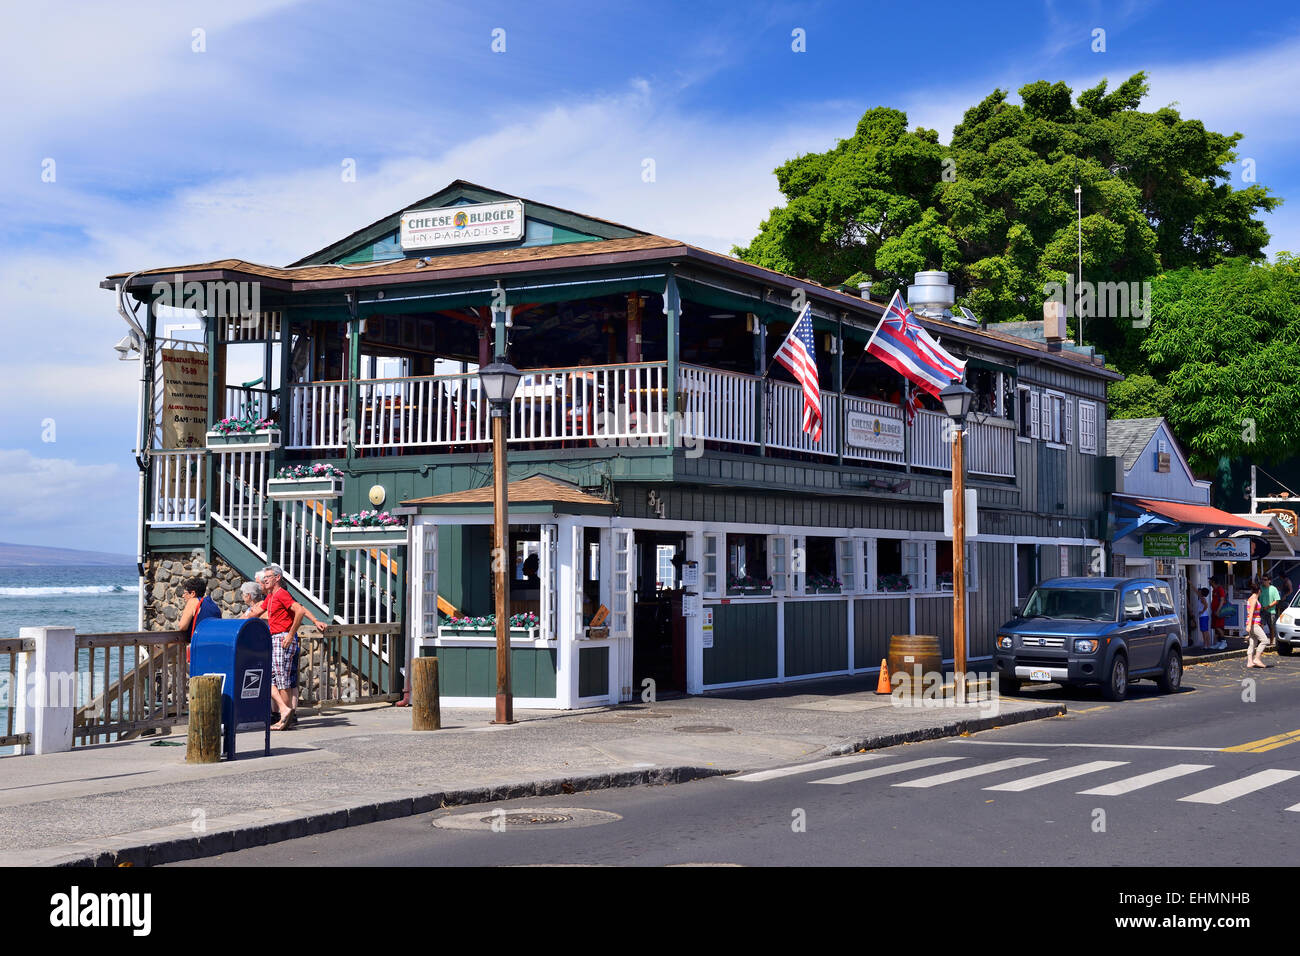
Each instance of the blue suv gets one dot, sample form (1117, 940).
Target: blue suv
(1107, 631)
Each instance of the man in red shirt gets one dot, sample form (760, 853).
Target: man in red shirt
(283, 615)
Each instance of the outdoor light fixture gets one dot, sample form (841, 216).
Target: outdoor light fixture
(499, 380)
(956, 400)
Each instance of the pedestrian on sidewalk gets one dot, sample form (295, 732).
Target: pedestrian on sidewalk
(1256, 639)
(1269, 598)
(283, 615)
(1217, 621)
(252, 595)
(198, 606)
(1203, 616)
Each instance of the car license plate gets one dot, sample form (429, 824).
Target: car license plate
(1040, 675)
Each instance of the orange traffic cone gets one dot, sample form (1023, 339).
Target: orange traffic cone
(882, 685)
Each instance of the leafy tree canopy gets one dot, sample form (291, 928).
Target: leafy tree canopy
(1226, 343)
(996, 209)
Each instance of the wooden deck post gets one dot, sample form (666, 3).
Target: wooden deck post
(426, 712)
(204, 741)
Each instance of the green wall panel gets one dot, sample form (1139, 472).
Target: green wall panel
(472, 671)
(816, 637)
(874, 621)
(744, 644)
(593, 671)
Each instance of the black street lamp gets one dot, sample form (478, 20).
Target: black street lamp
(499, 381)
(956, 399)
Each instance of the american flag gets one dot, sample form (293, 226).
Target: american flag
(901, 343)
(796, 354)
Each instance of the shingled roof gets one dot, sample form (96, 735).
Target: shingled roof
(537, 489)
(1126, 437)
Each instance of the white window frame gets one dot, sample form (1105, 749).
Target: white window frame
(778, 551)
(870, 572)
(712, 583)
(1069, 421)
(920, 554)
(848, 564)
(1035, 406)
(972, 567)
(1052, 430)
(1087, 437)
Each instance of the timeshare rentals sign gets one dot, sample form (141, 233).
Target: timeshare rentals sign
(462, 225)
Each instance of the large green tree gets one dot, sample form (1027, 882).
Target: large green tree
(1225, 342)
(996, 208)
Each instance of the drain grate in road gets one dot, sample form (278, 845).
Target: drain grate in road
(527, 819)
(703, 729)
(501, 820)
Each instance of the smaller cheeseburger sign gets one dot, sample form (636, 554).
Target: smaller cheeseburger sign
(462, 225)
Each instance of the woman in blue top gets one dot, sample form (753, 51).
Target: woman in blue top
(198, 606)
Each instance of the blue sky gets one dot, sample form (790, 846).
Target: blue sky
(166, 155)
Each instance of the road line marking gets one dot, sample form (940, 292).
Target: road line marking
(1239, 788)
(1295, 809)
(1089, 710)
(1053, 776)
(1013, 743)
(805, 767)
(976, 771)
(1266, 743)
(1129, 784)
(882, 771)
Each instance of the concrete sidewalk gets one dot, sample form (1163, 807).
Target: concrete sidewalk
(138, 802)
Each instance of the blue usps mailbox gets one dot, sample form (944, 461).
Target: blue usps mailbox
(240, 651)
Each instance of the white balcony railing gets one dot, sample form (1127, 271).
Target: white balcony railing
(176, 485)
(629, 403)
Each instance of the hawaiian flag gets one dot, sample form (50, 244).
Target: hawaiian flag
(901, 343)
(796, 354)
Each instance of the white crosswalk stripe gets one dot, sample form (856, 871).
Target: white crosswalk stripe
(1055, 776)
(888, 769)
(1129, 784)
(1295, 809)
(1239, 788)
(939, 780)
(833, 762)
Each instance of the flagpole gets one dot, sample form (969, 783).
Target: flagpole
(876, 330)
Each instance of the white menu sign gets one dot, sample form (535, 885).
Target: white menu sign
(863, 430)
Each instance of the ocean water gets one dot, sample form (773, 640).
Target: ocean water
(94, 600)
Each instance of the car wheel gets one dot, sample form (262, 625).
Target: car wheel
(1284, 649)
(1010, 686)
(1116, 686)
(1171, 677)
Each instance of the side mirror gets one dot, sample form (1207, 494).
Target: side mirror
(1015, 612)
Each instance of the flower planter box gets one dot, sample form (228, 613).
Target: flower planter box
(304, 489)
(834, 590)
(263, 440)
(376, 537)
(516, 633)
(596, 633)
(749, 592)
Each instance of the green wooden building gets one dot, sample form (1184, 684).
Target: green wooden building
(656, 471)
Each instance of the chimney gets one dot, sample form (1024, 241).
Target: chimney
(1054, 330)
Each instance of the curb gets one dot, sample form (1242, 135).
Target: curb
(1212, 658)
(178, 842)
(954, 729)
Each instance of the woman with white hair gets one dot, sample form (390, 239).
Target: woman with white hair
(252, 594)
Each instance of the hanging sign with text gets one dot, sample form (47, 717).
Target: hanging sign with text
(863, 430)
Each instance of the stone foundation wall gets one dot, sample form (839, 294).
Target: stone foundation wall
(165, 575)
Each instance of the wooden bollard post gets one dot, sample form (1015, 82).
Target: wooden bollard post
(204, 742)
(426, 712)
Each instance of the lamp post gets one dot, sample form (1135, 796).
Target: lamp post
(499, 381)
(956, 400)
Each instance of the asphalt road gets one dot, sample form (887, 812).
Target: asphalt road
(1207, 777)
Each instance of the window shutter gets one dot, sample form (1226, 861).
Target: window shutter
(1069, 421)
(712, 572)
(1088, 428)
(1046, 431)
(1035, 401)
(846, 568)
(778, 562)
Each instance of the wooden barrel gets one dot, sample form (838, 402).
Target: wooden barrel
(907, 653)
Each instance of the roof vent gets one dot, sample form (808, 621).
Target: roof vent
(931, 294)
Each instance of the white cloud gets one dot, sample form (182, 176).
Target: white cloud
(60, 492)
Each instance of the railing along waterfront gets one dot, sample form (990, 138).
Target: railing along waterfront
(177, 486)
(11, 649)
(127, 683)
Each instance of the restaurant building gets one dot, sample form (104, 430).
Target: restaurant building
(657, 466)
